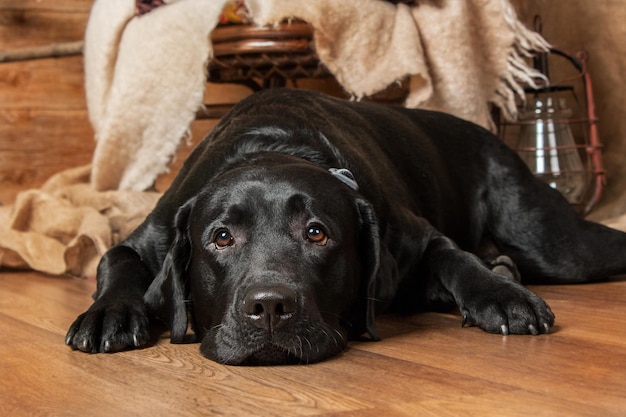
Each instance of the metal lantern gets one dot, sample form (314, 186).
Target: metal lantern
(556, 135)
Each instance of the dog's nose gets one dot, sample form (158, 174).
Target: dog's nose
(270, 307)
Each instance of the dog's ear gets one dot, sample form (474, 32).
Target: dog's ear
(168, 295)
(378, 267)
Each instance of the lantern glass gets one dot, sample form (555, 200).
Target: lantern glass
(556, 134)
(546, 144)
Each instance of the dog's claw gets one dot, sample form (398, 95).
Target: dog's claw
(504, 329)
(468, 321)
(84, 345)
(532, 329)
(546, 328)
(136, 341)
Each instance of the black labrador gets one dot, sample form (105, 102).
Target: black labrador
(301, 216)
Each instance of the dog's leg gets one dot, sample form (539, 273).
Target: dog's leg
(120, 316)
(546, 238)
(573, 252)
(488, 299)
(438, 273)
(118, 319)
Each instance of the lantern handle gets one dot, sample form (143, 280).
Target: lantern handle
(577, 62)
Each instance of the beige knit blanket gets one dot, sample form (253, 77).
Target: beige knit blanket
(145, 79)
(461, 55)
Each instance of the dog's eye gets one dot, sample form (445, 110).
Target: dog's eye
(317, 235)
(223, 239)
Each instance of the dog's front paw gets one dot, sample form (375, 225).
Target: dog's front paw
(508, 308)
(110, 326)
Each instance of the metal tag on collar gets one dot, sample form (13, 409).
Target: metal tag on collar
(345, 176)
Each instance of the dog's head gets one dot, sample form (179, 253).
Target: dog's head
(278, 265)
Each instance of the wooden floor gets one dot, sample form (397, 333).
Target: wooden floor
(426, 365)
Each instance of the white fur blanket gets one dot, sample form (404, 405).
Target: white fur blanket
(144, 78)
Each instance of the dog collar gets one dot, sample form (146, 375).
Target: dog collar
(344, 175)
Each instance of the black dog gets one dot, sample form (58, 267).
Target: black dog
(301, 216)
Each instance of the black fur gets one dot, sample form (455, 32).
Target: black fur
(274, 260)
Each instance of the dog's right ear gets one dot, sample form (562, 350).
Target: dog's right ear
(168, 295)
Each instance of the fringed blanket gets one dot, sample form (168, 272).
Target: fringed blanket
(66, 226)
(145, 79)
(460, 55)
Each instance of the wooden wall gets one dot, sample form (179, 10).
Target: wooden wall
(44, 127)
(43, 119)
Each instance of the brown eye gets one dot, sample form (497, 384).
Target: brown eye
(223, 238)
(317, 235)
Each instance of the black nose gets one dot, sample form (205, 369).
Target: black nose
(270, 307)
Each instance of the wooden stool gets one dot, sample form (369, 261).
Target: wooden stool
(268, 57)
(261, 57)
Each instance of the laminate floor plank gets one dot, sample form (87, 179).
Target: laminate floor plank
(426, 365)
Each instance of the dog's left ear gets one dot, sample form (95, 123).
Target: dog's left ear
(167, 295)
(378, 267)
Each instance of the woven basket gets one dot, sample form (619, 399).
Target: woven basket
(264, 57)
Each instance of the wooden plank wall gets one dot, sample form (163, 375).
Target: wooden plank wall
(43, 117)
(44, 127)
